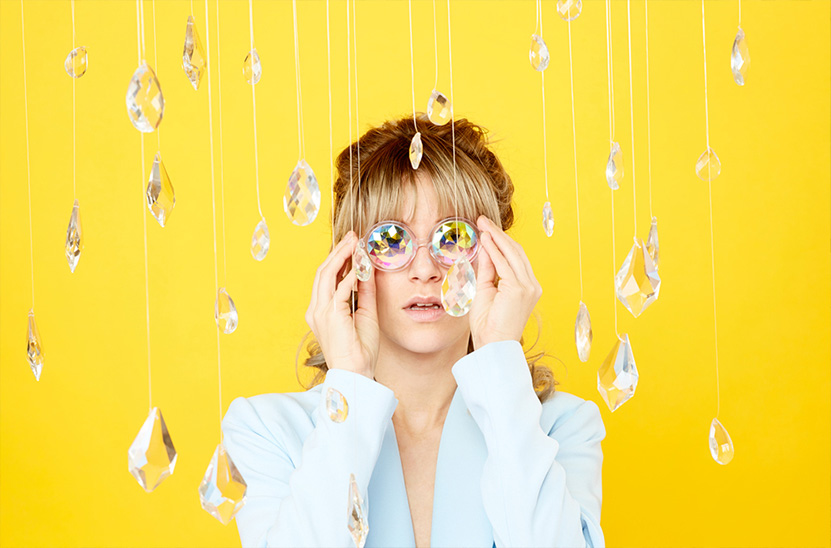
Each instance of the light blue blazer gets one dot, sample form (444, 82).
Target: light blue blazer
(510, 471)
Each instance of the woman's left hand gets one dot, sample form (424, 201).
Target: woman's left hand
(499, 313)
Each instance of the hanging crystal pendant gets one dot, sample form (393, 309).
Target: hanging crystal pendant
(193, 56)
(152, 457)
(75, 64)
(74, 242)
(538, 54)
(721, 446)
(362, 262)
(336, 405)
(252, 69)
(583, 333)
(301, 201)
(416, 150)
(439, 110)
(34, 346)
(614, 167)
(222, 491)
(569, 10)
(260, 240)
(740, 58)
(617, 377)
(708, 166)
(547, 219)
(145, 102)
(458, 288)
(160, 196)
(652, 242)
(225, 312)
(637, 283)
(358, 524)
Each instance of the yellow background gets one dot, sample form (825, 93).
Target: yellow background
(63, 459)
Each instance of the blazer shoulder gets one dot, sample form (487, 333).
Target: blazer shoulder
(565, 414)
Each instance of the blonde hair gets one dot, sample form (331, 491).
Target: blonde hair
(481, 187)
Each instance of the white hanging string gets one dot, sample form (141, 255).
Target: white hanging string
(331, 170)
(254, 102)
(74, 153)
(740, 12)
(141, 16)
(574, 139)
(452, 116)
(544, 131)
(412, 63)
(300, 137)
(632, 117)
(156, 67)
(648, 124)
(221, 162)
(28, 164)
(537, 10)
(610, 78)
(191, 8)
(435, 45)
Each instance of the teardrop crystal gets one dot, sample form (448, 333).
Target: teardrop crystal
(34, 346)
(439, 110)
(152, 457)
(583, 333)
(75, 64)
(416, 150)
(721, 446)
(252, 69)
(357, 519)
(362, 262)
(652, 242)
(336, 405)
(225, 312)
(740, 58)
(569, 10)
(637, 283)
(260, 241)
(458, 288)
(74, 241)
(145, 102)
(538, 54)
(193, 56)
(708, 166)
(160, 195)
(548, 219)
(617, 377)
(223, 490)
(301, 201)
(614, 167)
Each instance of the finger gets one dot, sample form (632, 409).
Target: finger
(510, 249)
(330, 267)
(486, 273)
(343, 293)
(366, 296)
(316, 282)
(503, 268)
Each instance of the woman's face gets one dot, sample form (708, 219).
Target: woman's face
(423, 277)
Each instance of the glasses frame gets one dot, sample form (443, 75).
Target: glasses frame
(420, 241)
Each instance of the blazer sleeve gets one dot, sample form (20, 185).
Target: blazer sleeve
(298, 469)
(538, 488)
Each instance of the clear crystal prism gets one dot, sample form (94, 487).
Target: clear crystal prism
(145, 102)
(260, 240)
(538, 54)
(721, 446)
(223, 489)
(193, 56)
(416, 150)
(569, 10)
(708, 166)
(336, 405)
(75, 64)
(617, 376)
(225, 312)
(362, 262)
(583, 333)
(547, 219)
(439, 109)
(252, 69)
(160, 195)
(34, 346)
(458, 288)
(740, 58)
(614, 167)
(637, 283)
(652, 242)
(152, 457)
(301, 201)
(357, 520)
(74, 242)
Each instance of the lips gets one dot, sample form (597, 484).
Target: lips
(418, 299)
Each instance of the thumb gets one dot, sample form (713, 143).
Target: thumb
(486, 272)
(366, 296)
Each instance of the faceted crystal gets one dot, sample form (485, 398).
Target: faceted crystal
(336, 405)
(193, 57)
(416, 150)
(160, 196)
(358, 524)
(362, 262)
(76, 62)
(569, 10)
(458, 288)
(225, 312)
(439, 109)
(652, 242)
(583, 333)
(260, 241)
(708, 165)
(151, 457)
(34, 346)
(614, 167)
(617, 377)
(145, 102)
(721, 446)
(538, 54)
(637, 282)
(74, 243)
(740, 58)
(547, 219)
(222, 491)
(252, 69)
(301, 201)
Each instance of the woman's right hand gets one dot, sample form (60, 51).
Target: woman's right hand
(344, 345)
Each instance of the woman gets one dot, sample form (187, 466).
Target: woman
(452, 435)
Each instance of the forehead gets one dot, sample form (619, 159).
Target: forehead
(420, 203)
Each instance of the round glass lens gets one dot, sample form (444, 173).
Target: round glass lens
(389, 245)
(454, 239)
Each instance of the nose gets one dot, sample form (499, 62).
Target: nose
(423, 266)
